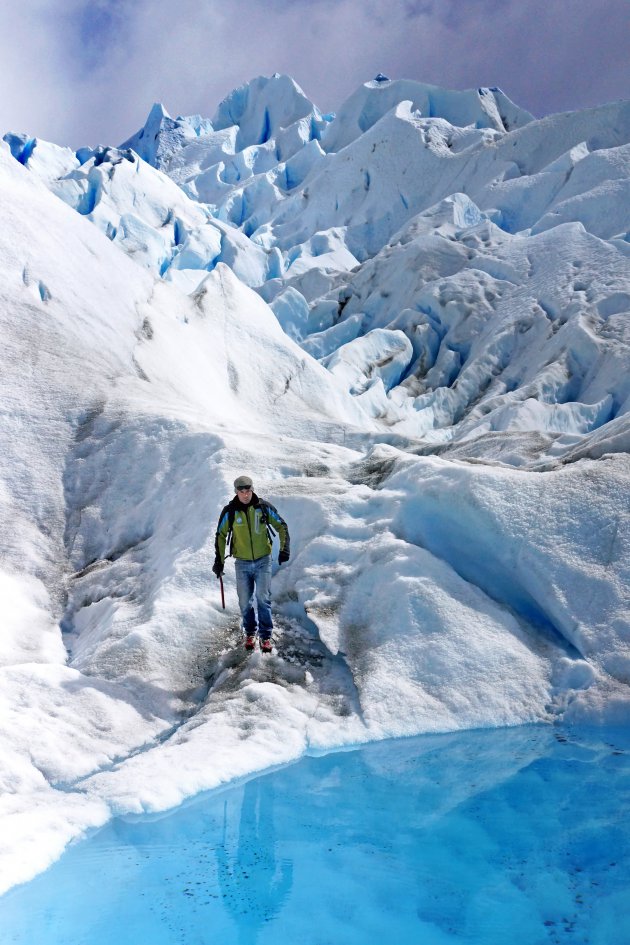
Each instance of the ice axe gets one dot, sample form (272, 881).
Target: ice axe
(222, 591)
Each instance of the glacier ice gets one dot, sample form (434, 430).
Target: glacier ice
(410, 321)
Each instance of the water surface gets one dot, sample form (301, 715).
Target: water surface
(518, 836)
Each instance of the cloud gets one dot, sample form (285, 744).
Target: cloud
(79, 72)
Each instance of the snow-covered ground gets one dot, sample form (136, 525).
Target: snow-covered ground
(410, 323)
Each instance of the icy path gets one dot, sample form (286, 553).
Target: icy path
(361, 592)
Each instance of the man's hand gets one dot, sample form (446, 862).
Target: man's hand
(217, 567)
(283, 556)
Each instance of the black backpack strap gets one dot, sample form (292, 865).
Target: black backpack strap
(264, 507)
(230, 511)
(228, 537)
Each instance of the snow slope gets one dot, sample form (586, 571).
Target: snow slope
(436, 398)
(116, 390)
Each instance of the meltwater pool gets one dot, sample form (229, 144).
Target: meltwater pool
(503, 837)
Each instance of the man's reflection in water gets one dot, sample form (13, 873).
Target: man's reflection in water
(254, 883)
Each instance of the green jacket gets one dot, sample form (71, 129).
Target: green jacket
(250, 538)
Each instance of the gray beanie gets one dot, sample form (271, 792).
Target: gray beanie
(243, 482)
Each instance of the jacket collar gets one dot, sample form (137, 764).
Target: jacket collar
(241, 507)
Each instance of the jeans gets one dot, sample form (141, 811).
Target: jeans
(255, 577)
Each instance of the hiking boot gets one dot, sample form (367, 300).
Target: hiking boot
(266, 645)
(250, 641)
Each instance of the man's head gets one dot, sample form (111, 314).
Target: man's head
(243, 487)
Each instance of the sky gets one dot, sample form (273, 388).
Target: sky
(86, 72)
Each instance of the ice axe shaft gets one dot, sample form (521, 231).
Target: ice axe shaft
(222, 591)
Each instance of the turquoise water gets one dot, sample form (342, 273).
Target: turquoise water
(509, 837)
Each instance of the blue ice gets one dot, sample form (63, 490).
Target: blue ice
(516, 836)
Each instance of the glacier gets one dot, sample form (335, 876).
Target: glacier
(410, 323)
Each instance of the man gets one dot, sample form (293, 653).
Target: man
(245, 526)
